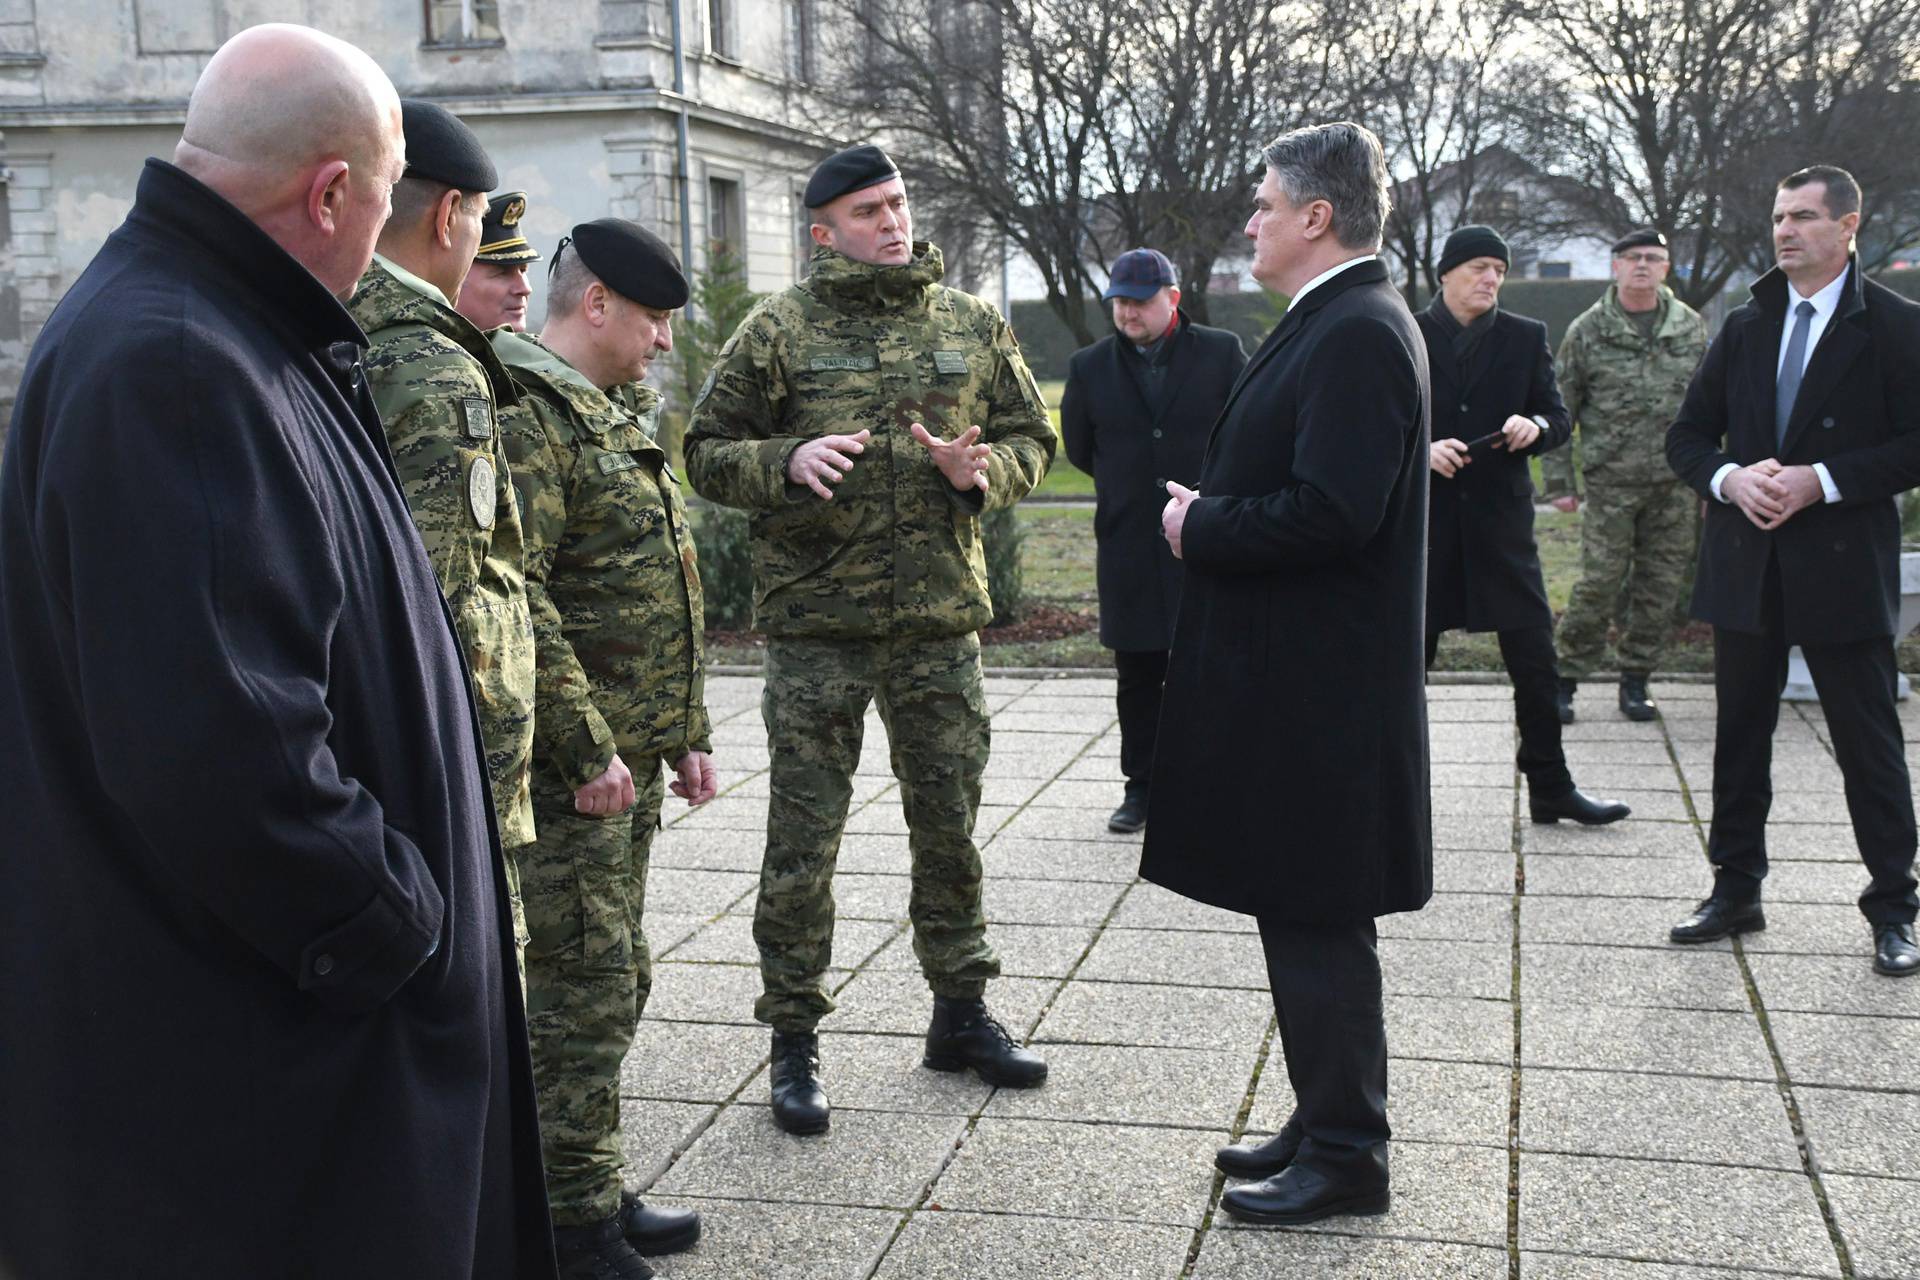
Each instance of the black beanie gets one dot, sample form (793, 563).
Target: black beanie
(1472, 242)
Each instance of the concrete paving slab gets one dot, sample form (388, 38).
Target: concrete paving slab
(884, 1073)
(1264, 1255)
(1450, 1029)
(1707, 1214)
(899, 1002)
(653, 1134)
(1464, 1103)
(1126, 1013)
(1470, 802)
(780, 1242)
(871, 853)
(1877, 1221)
(1455, 917)
(704, 850)
(1809, 929)
(967, 1246)
(1063, 824)
(1197, 1088)
(1440, 1192)
(1834, 984)
(1853, 1131)
(702, 992)
(1012, 900)
(1477, 773)
(1631, 876)
(876, 1159)
(1669, 979)
(1607, 922)
(728, 813)
(729, 940)
(690, 1061)
(1485, 832)
(1632, 838)
(1473, 871)
(1151, 907)
(1129, 1173)
(1025, 950)
(1424, 967)
(1813, 842)
(1656, 1118)
(1560, 1266)
(1178, 958)
(1663, 1041)
(678, 891)
(1848, 1051)
(1830, 881)
(1060, 859)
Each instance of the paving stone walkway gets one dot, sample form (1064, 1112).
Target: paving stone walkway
(1573, 1099)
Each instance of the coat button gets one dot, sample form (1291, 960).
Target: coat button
(1463, 408)
(1826, 422)
(1159, 483)
(1841, 545)
(1156, 431)
(322, 966)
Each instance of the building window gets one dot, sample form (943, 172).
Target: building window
(800, 39)
(720, 34)
(725, 221)
(636, 18)
(463, 22)
(1556, 271)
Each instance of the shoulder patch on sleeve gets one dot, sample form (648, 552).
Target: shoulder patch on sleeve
(477, 416)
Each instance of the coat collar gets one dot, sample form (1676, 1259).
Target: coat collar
(861, 288)
(1844, 338)
(1770, 293)
(172, 206)
(1297, 318)
(389, 296)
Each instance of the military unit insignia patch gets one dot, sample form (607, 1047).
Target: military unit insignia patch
(950, 361)
(480, 491)
(612, 462)
(478, 415)
(856, 364)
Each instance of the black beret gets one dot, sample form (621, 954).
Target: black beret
(1472, 242)
(501, 239)
(630, 260)
(1635, 239)
(854, 169)
(441, 149)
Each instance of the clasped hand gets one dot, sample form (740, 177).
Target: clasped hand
(820, 463)
(1770, 494)
(1446, 457)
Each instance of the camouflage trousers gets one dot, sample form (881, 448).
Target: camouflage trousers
(930, 699)
(1639, 538)
(588, 976)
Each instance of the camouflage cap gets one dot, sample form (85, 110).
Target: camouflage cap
(501, 239)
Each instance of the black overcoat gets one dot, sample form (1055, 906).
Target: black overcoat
(1291, 779)
(1131, 450)
(1858, 412)
(1483, 569)
(258, 1004)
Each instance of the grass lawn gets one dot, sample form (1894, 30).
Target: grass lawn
(1064, 480)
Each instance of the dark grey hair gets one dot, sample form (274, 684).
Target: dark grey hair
(1843, 192)
(567, 282)
(1343, 164)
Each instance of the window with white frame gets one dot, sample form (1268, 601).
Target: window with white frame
(463, 21)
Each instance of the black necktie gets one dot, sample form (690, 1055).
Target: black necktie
(1791, 370)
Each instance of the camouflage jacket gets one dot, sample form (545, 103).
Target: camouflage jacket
(1624, 389)
(897, 551)
(616, 599)
(438, 387)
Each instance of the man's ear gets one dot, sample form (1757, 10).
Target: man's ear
(821, 233)
(1319, 220)
(447, 210)
(327, 196)
(593, 304)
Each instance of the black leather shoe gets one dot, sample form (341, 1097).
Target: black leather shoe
(1300, 1195)
(1634, 702)
(1718, 918)
(1894, 953)
(657, 1232)
(963, 1034)
(1565, 700)
(1131, 815)
(799, 1103)
(598, 1252)
(1258, 1159)
(1579, 807)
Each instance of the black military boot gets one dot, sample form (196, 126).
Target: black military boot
(1565, 699)
(1634, 702)
(598, 1252)
(654, 1231)
(963, 1034)
(1132, 813)
(799, 1103)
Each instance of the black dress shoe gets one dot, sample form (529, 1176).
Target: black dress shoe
(598, 1252)
(1581, 808)
(1718, 918)
(656, 1232)
(799, 1103)
(1258, 1159)
(1634, 702)
(1300, 1195)
(962, 1035)
(1894, 953)
(1131, 815)
(1565, 699)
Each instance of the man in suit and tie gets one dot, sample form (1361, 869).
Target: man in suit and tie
(1135, 414)
(1802, 426)
(1495, 406)
(1295, 687)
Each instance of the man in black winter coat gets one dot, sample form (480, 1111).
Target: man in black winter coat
(1136, 412)
(1801, 427)
(259, 1014)
(1494, 406)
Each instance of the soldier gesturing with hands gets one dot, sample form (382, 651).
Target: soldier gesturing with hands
(819, 463)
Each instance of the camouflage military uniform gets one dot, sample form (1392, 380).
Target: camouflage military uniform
(1623, 389)
(616, 616)
(875, 595)
(438, 387)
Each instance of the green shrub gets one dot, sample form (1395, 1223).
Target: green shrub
(1002, 534)
(726, 568)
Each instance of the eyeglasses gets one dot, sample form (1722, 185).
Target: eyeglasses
(1644, 259)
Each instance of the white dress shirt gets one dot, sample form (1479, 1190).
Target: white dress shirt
(1327, 275)
(1825, 303)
